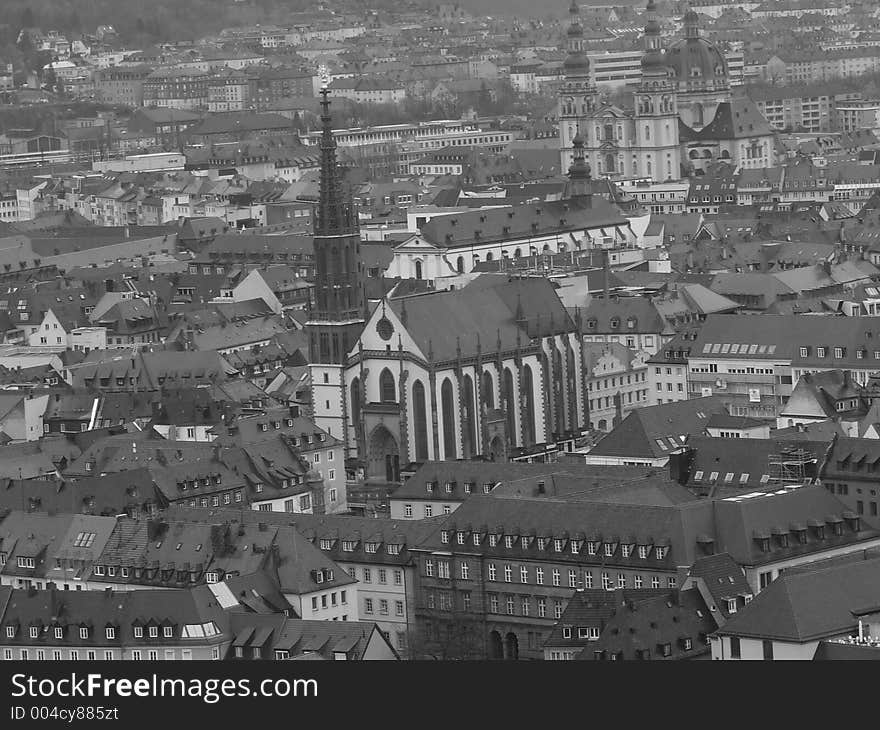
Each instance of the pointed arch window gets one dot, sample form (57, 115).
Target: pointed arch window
(387, 388)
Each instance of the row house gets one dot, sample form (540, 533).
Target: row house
(495, 576)
(57, 625)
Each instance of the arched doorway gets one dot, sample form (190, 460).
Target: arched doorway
(384, 455)
(496, 449)
(469, 427)
(511, 646)
(448, 409)
(418, 269)
(420, 421)
(496, 646)
(459, 265)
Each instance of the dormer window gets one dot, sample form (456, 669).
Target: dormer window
(592, 547)
(609, 549)
(211, 576)
(477, 539)
(168, 632)
(508, 542)
(429, 486)
(325, 544)
(138, 632)
(371, 547)
(110, 632)
(460, 538)
(542, 543)
(83, 633)
(34, 632)
(449, 486)
(10, 632)
(493, 540)
(348, 546)
(154, 632)
(731, 605)
(558, 545)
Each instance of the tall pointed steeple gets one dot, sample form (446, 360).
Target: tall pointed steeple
(335, 215)
(339, 307)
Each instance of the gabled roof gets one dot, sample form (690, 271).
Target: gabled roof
(657, 431)
(810, 605)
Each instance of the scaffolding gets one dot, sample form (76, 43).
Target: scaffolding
(791, 465)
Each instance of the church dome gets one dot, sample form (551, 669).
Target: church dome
(576, 63)
(694, 60)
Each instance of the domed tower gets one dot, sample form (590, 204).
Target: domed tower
(658, 154)
(577, 93)
(580, 184)
(699, 71)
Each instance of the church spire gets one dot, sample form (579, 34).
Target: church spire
(335, 214)
(579, 181)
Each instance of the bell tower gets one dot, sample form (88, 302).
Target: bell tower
(338, 308)
(656, 113)
(578, 97)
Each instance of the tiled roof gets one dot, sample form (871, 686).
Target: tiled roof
(657, 431)
(810, 605)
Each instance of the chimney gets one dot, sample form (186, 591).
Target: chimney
(605, 274)
(680, 465)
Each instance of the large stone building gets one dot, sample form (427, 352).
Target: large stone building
(495, 369)
(683, 117)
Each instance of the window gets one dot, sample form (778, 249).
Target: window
(407, 510)
(492, 572)
(368, 574)
(429, 510)
(368, 604)
(83, 633)
(655, 581)
(383, 575)
(556, 580)
(572, 579)
(154, 632)
(557, 610)
(523, 574)
(539, 576)
(767, 646)
(168, 632)
(621, 580)
(637, 581)
(542, 607)
(508, 573)
(111, 632)
(735, 650)
(398, 577)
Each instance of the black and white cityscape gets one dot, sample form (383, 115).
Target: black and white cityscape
(413, 331)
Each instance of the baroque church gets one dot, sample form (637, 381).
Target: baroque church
(684, 117)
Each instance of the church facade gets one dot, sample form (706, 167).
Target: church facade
(493, 370)
(684, 116)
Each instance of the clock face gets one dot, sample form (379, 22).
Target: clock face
(384, 328)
